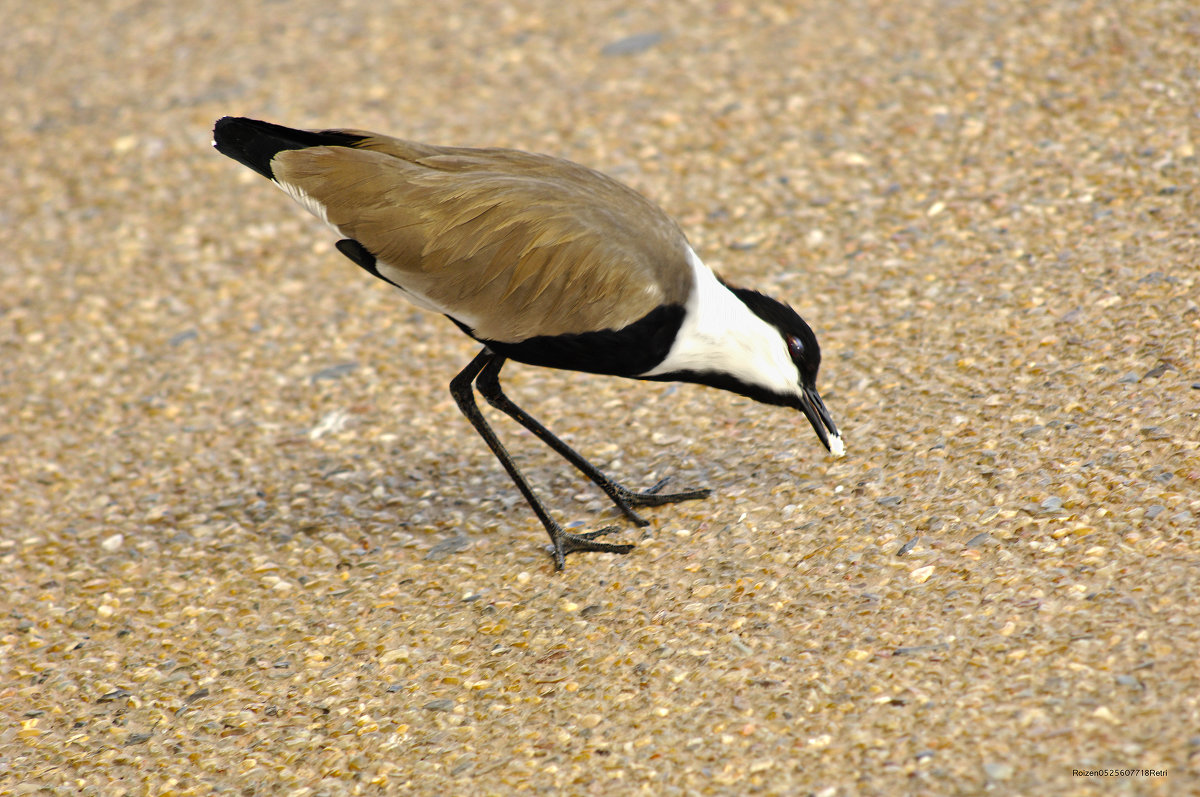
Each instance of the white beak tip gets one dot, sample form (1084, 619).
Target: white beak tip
(836, 447)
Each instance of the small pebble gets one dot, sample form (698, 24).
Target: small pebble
(116, 694)
(1157, 371)
(632, 45)
(922, 574)
(197, 695)
(183, 337)
(998, 771)
(335, 371)
(448, 547)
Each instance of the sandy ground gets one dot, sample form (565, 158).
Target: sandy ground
(249, 545)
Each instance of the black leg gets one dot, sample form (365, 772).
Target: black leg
(488, 382)
(564, 542)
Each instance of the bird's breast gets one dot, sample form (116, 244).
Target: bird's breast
(630, 350)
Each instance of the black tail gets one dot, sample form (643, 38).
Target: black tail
(254, 143)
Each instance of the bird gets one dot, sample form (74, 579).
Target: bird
(544, 262)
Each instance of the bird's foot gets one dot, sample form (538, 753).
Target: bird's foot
(568, 543)
(626, 499)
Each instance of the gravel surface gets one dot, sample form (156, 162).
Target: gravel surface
(249, 545)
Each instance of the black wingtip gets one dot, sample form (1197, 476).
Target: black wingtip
(249, 142)
(253, 143)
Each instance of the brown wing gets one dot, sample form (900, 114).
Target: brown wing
(513, 245)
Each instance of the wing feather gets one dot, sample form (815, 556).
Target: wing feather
(511, 244)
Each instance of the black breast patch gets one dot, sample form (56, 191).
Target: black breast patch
(630, 351)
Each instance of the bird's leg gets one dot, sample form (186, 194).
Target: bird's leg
(564, 542)
(488, 382)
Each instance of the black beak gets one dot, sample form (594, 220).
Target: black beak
(814, 409)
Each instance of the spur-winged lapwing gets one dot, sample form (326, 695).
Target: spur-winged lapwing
(544, 262)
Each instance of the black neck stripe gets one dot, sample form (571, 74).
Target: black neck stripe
(731, 383)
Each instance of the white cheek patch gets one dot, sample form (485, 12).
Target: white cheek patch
(721, 334)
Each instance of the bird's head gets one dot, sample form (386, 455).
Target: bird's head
(742, 341)
(787, 373)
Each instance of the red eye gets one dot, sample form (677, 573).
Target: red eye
(795, 348)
